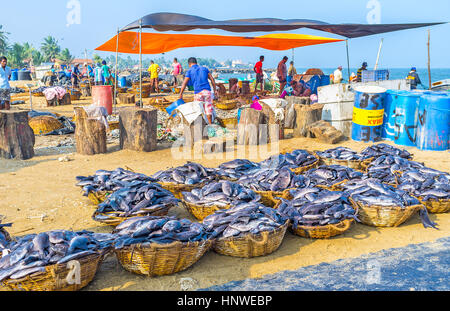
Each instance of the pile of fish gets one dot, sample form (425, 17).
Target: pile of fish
(293, 160)
(242, 219)
(32, 253)
(188, 174)
(385, 168)
(329, 175)
(160, 230)
(4, 241)
(427, 183)
(237, 168)
(39, 89)
(222, 194)
(136, 198)
(375, 151)
(273, 180)
(313, 206)
(110, 181)
(16, 90)
(372, 192)
(340, 153)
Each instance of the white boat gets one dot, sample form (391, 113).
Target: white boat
(443, 85)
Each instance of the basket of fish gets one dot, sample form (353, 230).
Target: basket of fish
(431, 187)
(331, 176)
(271, 183)
(246, 230)
(318, 213)
(185, 178)
(237, 168)
(98, 186)
(343, 156)
(298, 161)
(377, 150)
(155, 246)
(214, 196)
(53, 261)
(228, 104)
(381, 205)
(136, 199)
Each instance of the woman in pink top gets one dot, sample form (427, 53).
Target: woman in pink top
(177, 69)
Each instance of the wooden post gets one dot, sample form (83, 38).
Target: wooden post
(138, 129)
(249, 127)
(16, 136)
(429, 61)
(116, 70)
(306, 115)
(194, 132)
(90, 134)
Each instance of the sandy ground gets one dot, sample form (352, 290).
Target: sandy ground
(39, 195)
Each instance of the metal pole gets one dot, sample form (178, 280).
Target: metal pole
(429, 61)
(89, 78)
(378, 56)
(115, 84)
(293, 55)
(348, 61)
(140, 64)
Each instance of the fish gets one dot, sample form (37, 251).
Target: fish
(190, 174)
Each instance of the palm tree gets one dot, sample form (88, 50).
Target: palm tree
(16, 55)
(38, 58)
(3, 41)
(50, 48)
(65, 56)
(97, 59)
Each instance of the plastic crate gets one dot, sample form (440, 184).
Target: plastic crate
(374, 75)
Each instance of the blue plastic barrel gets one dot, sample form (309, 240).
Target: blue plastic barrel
(405, 118)
(15, 75)
(123, 82)
(368, 113)
(433, 128)
(174, 106)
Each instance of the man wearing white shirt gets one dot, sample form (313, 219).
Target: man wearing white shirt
(337, 75)
(5, 89)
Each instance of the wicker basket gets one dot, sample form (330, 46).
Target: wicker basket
(177, 189)
(115, 221)
(44, 124)
(114, 125)
(230, 122)
(354, 164)
(436, 207)
(333, 187)
(54, 279)
(201, 212)
(98, 197)
(384, 216)
(302, 169)
(251, 245)
(323, 232)
(38, 94)
(226, 105)
(158, 259)
(268, 197)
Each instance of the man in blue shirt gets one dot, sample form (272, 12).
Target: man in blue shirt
(199, 76)
(5, 89)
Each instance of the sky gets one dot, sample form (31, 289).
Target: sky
(31, 21)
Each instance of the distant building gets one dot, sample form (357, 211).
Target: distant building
(82, 61)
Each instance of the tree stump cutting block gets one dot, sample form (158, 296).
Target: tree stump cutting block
(326, 133)
(273, 127)
(138, 129)
(249, 129)
(305, 116)
(16, 136)
(90, 134)
(194, 132)
(124, 98)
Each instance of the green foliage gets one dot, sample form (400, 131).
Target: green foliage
(65, 56)
(3, 41)
(16, 55)
(50, 48)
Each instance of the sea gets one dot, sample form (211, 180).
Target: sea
(437, 74)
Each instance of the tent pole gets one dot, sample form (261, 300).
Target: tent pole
(348, 61)
(140, 65)
(378, 55)
(116, 80)
(429, 62)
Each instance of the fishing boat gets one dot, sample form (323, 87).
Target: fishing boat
(442, 85)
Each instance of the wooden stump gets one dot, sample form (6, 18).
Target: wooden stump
(249, 130)
(194, 132)
(298, 100)
(326, 133)
(305, 116)
(16, 136)
(138, 129)
(90, 134)
(125, 98)
(273, 127)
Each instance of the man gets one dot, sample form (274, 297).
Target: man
(76, 74)
(177, 70)
(98, 77)
(414, 78)
(337, 75)
(5, 88)
(199, 76)
(154, 71)
(88, 71)
(259, 73)
(106, 73)
(282, 73)
(359, 73)
(291, 72)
